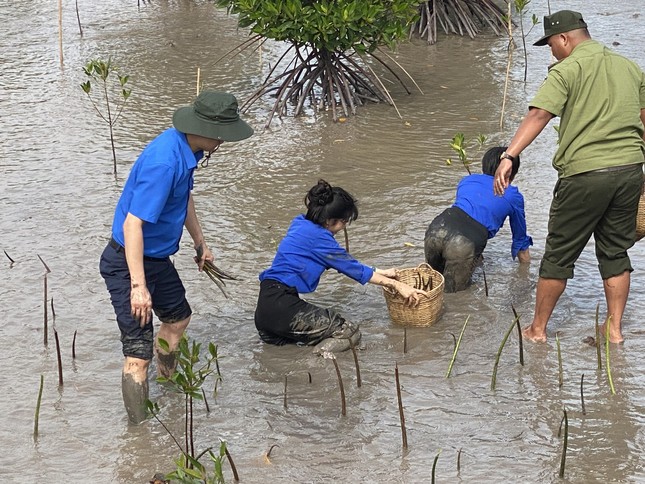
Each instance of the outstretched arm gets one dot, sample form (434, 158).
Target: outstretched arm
(531, 126)
(387, 278)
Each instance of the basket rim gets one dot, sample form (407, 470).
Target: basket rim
(424, 265)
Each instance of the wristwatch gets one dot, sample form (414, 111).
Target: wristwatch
(506, 156)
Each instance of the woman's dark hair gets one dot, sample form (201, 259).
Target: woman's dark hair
(491, 160)
(325, 202)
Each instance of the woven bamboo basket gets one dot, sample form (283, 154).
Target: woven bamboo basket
(640, 219)
(429, 308)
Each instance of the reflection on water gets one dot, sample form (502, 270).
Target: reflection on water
(57, 195)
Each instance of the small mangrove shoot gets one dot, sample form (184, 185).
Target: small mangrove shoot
(607, 365)
(564, 443)
(520, 336)
(493, 381)
(404, 434)
(358, 368)
(598, 339)
(582, 394)
(343, 409)
(454, 354)
(557, 345)
(37, 416)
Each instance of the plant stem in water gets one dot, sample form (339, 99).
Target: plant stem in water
(454, 354)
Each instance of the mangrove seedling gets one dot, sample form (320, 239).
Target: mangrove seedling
(564, 443)
(520, 336)
(434, 465)
(113, 94)
(560, 375)
(607, 365)
(598, 357)
(37, 415)
(341, 387)
(404, 434)
(459, 145)
(520, 8)
(188, 380)
(493, 381)
(582, 394)
(454, 354)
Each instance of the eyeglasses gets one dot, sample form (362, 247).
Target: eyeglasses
(207, 158)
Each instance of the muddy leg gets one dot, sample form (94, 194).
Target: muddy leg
(171, 333)
(134, 387)
(340, 339)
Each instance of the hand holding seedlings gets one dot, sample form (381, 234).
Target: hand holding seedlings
(212, 271)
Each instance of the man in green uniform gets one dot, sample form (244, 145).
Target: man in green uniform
(600, 99)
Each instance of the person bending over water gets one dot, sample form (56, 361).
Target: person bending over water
(308, 249)
(456, 238)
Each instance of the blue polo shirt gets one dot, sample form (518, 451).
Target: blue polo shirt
(157, 191)
(476, 197)
(306, 252)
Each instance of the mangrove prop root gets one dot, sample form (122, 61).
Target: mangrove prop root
(404, 434)
(284, 403)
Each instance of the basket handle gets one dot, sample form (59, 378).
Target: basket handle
(425, 264)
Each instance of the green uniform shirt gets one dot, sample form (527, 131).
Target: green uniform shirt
(598, 95)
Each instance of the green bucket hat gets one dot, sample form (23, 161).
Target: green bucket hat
(560, 22)
(213, 115)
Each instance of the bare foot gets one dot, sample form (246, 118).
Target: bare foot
(530, 334)
(614, 337)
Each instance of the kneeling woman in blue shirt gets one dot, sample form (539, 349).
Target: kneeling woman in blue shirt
(308, 249)
(456, 238)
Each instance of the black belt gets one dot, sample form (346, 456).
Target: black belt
(119, 248)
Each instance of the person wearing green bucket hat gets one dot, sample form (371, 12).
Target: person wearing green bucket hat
(600, 99)
(154, 207)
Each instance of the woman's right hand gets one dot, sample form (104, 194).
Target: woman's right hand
(409, 293)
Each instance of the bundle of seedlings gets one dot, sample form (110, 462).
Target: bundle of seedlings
(217, 275)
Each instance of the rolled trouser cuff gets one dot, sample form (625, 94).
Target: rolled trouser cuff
(549, 270)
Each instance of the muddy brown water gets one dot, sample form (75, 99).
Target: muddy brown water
(57, 194)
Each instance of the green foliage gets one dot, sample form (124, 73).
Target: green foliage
(112, 96)
(333, 25)
(458, 144)
(188, 380)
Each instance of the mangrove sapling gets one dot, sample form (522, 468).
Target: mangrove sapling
(454, 354)
(358, 368)
(485, 281)
(509, 61)
(208, 410)
(58, 357)
(404, 434)
(493, 381)
(78, 17)
(114, 95)
(37, 415)
(564, 443)
(74, 345)
(10, 259)
(459, 461)
(520, 7)
(582, 394)
(434, 465)
(284, 401)
(325, 64)
(236, 477)
(458, 143)
(607, 365)
(343, 404)
(598, 339)
(520, 336)
(405, 340)
(45, 329)
(557, 345)
(188, 379)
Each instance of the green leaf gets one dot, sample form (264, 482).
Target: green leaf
(86, 86)
(163, 344)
